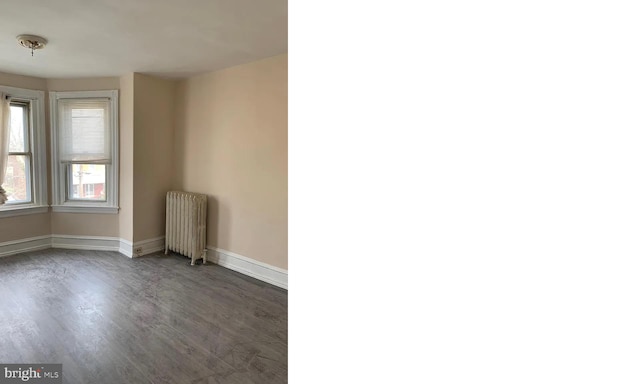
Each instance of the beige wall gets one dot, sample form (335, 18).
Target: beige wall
(24, 227)
(84, 224)
(154, 104)
(231, 143)
(84, 84)
(26, 82)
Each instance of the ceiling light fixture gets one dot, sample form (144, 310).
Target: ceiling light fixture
(32, 42)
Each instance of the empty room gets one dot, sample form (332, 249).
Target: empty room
(144, 200)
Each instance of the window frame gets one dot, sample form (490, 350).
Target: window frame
(26, 117)
(61, 193)
(37, 142)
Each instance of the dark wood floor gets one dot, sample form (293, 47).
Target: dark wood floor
(154, 319)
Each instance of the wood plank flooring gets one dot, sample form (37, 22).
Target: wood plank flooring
(153, 319)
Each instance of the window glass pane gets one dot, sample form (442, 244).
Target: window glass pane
(18, 139)
(87, 182)
(17, 181)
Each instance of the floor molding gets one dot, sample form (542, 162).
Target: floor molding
(250, 267)
(94, 243)
(242, 264)
(145, 247)
(126, 248)
(9, 248)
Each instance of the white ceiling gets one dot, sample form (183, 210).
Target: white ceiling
(169, 38)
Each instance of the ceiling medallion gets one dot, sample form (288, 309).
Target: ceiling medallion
(32, 42)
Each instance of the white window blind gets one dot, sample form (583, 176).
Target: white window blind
(83, 133)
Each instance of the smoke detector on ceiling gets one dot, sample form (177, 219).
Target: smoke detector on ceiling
(32, 42)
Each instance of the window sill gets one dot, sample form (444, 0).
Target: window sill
(21, 210)
(84, 209)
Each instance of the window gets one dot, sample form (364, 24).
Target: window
(26, 176)
(18, 181)
(84, 151)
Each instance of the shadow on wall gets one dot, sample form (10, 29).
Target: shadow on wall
(213, 223)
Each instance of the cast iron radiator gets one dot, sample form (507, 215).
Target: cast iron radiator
(186, 227)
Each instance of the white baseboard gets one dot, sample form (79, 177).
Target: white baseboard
(145, 247)
(126, 248)
(100, 243)
(94, 243)
(25, 245)
(247, 266)
(250, 267)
